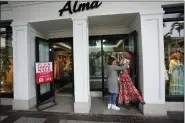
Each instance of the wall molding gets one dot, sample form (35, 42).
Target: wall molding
(92, 31)
(15, 4)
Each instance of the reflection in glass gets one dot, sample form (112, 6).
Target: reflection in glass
(95, 65)
(174, 57)
(43, 57)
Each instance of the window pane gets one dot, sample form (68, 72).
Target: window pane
(174, 57)
(173, 15)
(6, 64)
(95, 65)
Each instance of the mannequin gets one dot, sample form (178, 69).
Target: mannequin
(176, 71)
(128, 91)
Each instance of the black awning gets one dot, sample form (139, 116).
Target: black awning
(3, 2)
(173, 12)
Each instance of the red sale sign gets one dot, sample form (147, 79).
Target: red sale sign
(44, 72)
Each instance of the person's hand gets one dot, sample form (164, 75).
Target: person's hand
(125, 61)
(128, 61)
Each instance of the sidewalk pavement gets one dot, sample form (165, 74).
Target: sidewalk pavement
(9, 116)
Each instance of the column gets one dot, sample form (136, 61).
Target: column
(153, 64)
(82, 102)
(23, 68)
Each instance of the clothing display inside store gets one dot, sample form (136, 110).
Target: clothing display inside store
(176, 73)
(6, 74)
(62, 65)
(174, 64)
(6, 59)
(174, 58)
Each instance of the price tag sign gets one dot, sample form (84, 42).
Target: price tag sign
(44, 72)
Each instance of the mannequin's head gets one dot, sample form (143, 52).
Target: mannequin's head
(176, 56)
(60, 57)
(126, 55)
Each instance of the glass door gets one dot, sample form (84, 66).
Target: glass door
(43, 50)
(95, 64)
(100, 48)
(112, 45)
(130, 46)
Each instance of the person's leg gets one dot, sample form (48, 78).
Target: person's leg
(110, 98)
(114, 96)
(110, 101)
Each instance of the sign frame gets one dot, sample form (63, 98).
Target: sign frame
(47, 101)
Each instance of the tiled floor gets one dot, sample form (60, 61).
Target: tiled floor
(98, 106)
(53, 117)
(30, 120)
(64, 104)
(2, 118)
(63, 113)
(74, 121)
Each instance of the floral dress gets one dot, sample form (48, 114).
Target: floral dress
(128, 91)
(176, 78)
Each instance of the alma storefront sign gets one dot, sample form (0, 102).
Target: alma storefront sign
(79, 7)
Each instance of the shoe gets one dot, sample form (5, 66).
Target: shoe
(109, 106)
(143, 103)
(115, 107)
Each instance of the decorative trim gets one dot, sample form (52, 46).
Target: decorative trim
(152, 14)
(15, 4)
(153, 109)
(175, 106)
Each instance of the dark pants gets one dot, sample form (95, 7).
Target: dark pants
(112, 98)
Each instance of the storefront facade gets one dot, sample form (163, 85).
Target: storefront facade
(148, 23)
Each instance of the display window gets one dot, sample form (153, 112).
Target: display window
(173, 29)
(6, 63)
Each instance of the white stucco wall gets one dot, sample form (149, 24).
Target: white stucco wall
(49, 10)
(136, 25)
(24, 58)
(6, 14)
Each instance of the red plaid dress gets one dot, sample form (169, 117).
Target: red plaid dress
(128, 91)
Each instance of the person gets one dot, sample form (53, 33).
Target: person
(128, 91)
(112, 82)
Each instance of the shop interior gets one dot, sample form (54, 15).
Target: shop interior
(6, 60)
(63, 65)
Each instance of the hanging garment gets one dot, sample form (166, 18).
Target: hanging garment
(166, 73)
(61, 69)
(176, 71)
(128, 91)
(57, 70)
(9, 74)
